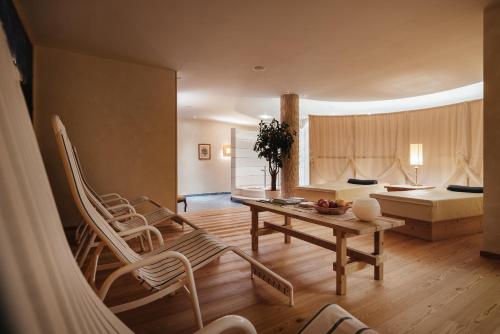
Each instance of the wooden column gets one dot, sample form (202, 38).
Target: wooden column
(290, 171)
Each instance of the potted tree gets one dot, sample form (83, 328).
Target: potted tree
(274, 143)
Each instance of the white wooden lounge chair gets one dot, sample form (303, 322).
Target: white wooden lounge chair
(43, 290)
(115, 206)
(166, 269)
(114, 202)
(127, 221)
(122, 216)
(124, 221)
(113, 198)
(333, 319)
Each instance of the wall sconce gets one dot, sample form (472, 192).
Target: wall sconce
(416, 158)
(226, 150)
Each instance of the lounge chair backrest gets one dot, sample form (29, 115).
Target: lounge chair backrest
(90, 192)
(99, 225)
(42, 288)
(82, 174)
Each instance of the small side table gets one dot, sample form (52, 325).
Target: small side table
(406, 187)
(182, 199)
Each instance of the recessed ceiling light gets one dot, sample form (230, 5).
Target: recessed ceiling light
(259, 68)
(265, 116)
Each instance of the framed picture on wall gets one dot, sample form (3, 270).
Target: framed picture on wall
(204, 152)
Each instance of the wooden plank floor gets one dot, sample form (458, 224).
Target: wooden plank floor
(440, 287)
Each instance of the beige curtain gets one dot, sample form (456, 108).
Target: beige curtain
(378, 146)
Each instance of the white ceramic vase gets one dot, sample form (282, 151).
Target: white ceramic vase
(366, 209)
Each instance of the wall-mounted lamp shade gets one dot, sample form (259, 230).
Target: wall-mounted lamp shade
(226, 150)
(416, 155)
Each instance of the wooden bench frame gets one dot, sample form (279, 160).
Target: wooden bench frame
(439, 230)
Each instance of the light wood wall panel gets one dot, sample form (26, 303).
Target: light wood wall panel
(122, 118)
(491, 124)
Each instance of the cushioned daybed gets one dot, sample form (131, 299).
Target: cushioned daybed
(434, 214)
(338, 190)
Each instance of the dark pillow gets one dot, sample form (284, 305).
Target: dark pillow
(465, 189)
(363, 182)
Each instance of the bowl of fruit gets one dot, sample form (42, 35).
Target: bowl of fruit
(329, 207)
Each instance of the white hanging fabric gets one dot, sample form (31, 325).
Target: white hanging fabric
(377, 146)
(42, 286)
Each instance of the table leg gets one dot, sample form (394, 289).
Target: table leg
(341, 262)
(288, 223)
(378, 240)
(255, 229)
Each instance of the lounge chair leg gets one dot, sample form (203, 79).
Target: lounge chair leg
(90, 272)
(150, 242)
(81, 235)
(79, 230)
(196, 308)
(87, 249)
(82, 227)
(178, 220)
(193, 295)
(80, 246)
(141, 241)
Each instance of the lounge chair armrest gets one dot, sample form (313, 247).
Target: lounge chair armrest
(143, 220)
(143, 199)
(234, 322)
(122, 206)
(153, 202)
(110, 195)
(143, 229)
(128, 216)
(115, 200)
(181, 219)
(126, 269)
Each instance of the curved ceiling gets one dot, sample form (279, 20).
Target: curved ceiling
(327, 50)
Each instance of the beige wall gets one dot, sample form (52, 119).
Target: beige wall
(491, 127)
(121, 117)
(203, 176)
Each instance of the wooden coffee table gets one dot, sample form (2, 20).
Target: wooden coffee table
(347, 259)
